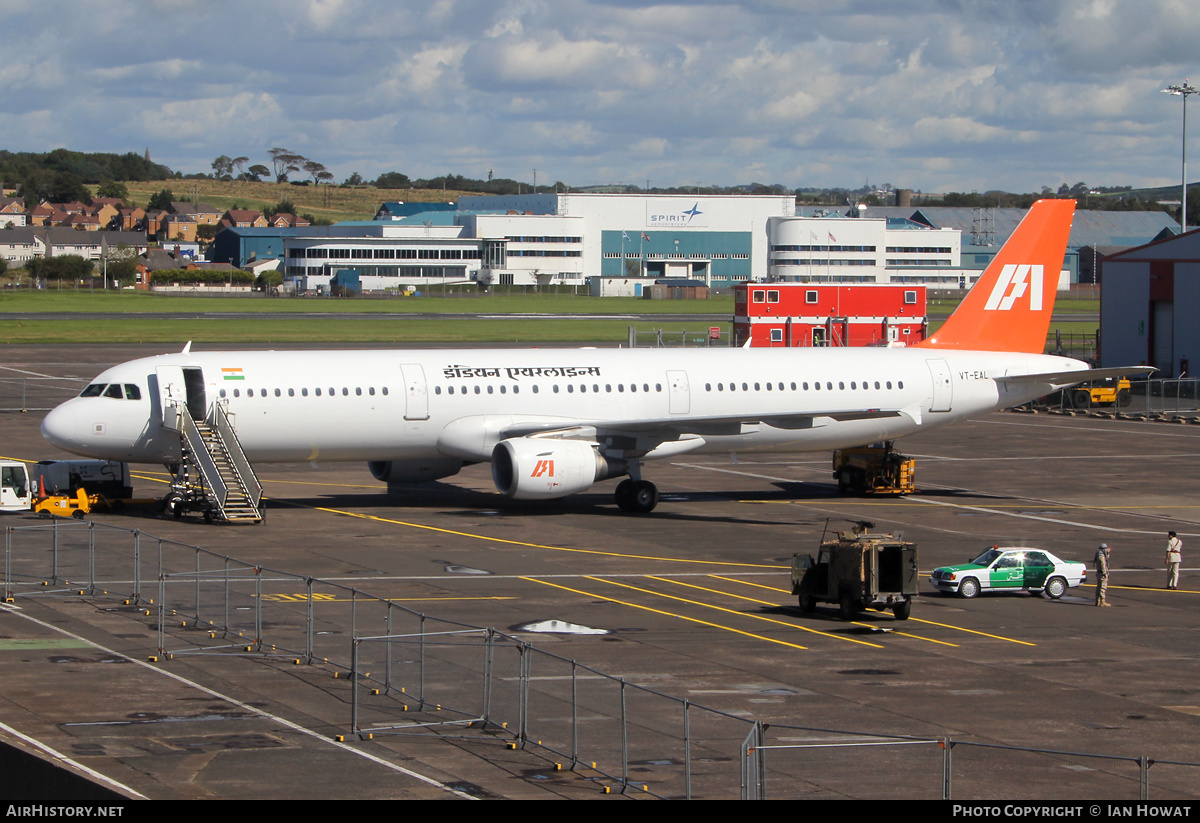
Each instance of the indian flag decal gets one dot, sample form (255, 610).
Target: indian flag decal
(233, 374)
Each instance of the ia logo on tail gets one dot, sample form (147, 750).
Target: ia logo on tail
(1013, 282)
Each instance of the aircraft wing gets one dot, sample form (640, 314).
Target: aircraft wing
(672, 428)
(1062, 379)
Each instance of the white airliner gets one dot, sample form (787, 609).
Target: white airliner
(554, 422)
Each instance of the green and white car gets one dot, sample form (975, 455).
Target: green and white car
(1011, 570)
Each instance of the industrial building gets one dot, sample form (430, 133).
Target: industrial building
(581, 239)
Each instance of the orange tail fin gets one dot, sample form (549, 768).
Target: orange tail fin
(1009, 308)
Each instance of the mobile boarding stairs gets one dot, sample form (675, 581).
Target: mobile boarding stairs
(213, 476)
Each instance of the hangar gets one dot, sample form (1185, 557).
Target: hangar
(1149, 303)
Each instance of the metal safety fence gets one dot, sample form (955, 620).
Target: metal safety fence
(22, 394)
(1154, 397)
(404, 672)
(706, 336)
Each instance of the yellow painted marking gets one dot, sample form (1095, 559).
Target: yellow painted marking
(971, 631)
(732, 611)
(896, 501)
(727, 611)
(667, 614)
(785, 591)
(329, 598)
(506, 542)
(748, 583)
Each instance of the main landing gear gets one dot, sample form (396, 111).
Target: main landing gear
(636, 496)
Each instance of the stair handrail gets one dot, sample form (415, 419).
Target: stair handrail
(203, 460)
(218, 418)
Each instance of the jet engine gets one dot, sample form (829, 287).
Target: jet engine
(413, 471)
(532, 468)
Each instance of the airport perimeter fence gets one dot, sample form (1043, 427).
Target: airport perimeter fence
(679, 338)
(387, 669)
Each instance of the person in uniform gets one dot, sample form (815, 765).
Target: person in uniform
(1102, 555)
(1174, 558)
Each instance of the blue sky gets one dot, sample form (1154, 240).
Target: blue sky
(937, 95)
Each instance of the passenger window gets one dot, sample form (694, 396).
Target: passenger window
(235, 393)
(437, 389)
(278, 393)
(371, 390)
(358, 391)
(222, 392)
(900, 384)
(384, 390)
(317, 390)
(304, 392)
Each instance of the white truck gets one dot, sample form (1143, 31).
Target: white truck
(36, 486)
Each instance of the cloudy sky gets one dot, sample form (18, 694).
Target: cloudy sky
(936, 95)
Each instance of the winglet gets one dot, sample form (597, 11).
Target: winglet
(1009, 308)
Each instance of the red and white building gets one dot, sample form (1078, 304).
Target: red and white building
(828, 314)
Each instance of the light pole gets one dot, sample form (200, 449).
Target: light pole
(1183, 91)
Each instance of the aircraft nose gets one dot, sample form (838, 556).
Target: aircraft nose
(60, 427)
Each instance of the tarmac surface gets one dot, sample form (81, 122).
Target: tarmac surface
(694, 601)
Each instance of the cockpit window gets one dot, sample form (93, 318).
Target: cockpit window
(114, 391)
(94, 390)
(132, 392)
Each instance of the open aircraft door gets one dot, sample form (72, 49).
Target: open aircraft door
(180, 387)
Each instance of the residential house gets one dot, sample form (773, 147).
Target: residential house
(243, 218)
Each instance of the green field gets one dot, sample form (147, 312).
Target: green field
(84, 302)
(517, 330)
(316, 320)
(335, 203)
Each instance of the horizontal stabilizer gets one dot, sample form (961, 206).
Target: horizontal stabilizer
(1060, 379)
